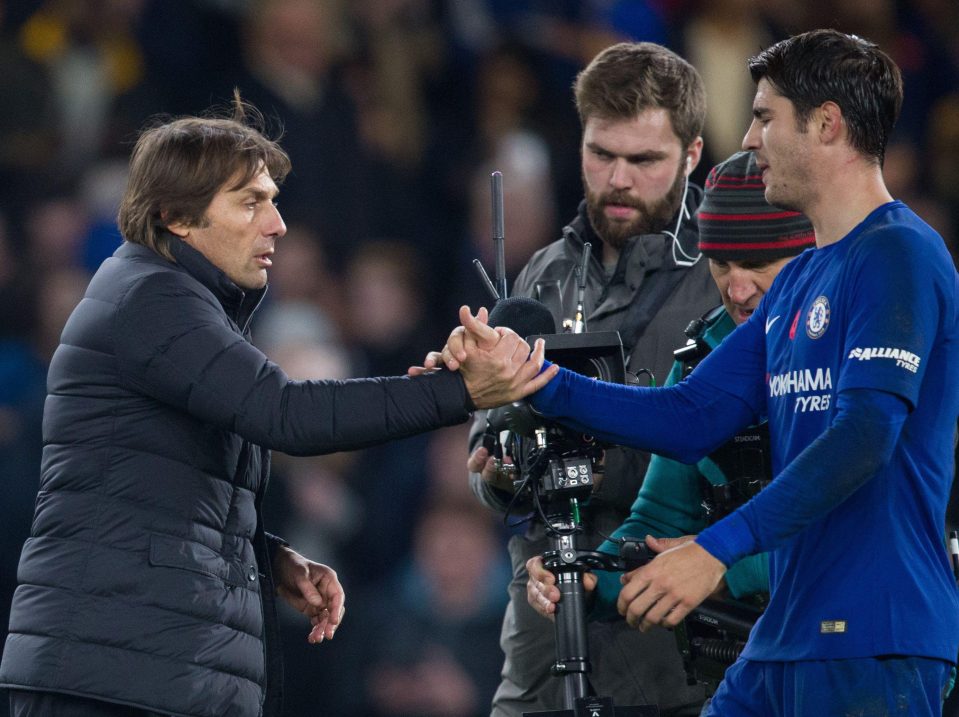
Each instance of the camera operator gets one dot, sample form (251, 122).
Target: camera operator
(747, 242)
(642, 109)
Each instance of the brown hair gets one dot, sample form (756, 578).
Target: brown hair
(178, 166)
(630, 77)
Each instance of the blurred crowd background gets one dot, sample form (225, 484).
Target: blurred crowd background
(394, 113)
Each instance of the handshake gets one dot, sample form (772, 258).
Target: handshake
(497, 365)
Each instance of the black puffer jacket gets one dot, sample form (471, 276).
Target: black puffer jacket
(145, 580)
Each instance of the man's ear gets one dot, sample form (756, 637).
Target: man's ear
(830, 122)
(694, 152)
(178, 228)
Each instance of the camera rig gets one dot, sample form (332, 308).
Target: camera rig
(555, 470)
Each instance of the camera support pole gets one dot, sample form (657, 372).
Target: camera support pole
(558, 478)
(572, 645)
(569, 562)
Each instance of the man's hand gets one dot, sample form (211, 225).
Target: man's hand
(480, 461)
(311, 588)
(665, 590)
(661, 545)
(432, 362)
(438, 359)
(472, 328)
(541, 591)
(496, 363)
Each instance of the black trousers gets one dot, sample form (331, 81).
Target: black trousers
(51, 704)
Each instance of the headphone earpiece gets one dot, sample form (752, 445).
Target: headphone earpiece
(689, 165)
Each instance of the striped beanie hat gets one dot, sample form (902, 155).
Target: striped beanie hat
(736, 223)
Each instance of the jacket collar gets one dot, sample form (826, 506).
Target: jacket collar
(238, 304)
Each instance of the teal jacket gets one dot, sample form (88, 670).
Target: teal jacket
(669, 505)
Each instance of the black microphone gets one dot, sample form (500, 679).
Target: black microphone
(525, 316)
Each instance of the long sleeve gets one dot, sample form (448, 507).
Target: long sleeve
(194, 360)
(683, 422)
(857, 444)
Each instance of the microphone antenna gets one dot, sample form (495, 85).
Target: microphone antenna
(496, 179)
(579, 322)
(485, 279)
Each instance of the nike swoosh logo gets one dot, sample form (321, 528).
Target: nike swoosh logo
(770, 321)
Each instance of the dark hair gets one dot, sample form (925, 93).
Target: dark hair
(628, 78)
(826, 65)
(178, 166)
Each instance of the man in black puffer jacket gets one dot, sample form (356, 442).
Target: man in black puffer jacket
(147, 583)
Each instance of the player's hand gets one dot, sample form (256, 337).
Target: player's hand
(666, 589)
(496, 364)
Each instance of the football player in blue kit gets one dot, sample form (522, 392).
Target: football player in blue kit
(849, 356)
